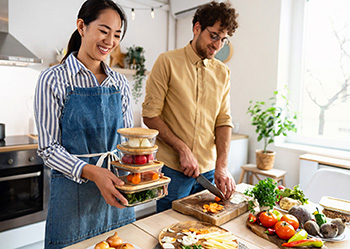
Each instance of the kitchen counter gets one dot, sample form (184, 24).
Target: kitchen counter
(21, 142)
(144, 233)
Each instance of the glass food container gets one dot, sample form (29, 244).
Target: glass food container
(138, 137)
(138, 175)
(141, 194)
(137, 157)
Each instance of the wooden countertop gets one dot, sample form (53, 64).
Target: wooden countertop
(144, 233)
(238, 136)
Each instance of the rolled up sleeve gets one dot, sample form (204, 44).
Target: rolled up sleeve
(156, 89)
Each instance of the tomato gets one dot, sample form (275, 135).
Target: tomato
(128, 159)
(268, 219)
(291, 219)
(284, 230)
(140, 159)
(150, 158)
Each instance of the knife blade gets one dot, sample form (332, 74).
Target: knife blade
(208, 185)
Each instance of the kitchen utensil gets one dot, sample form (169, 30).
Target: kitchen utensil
(2, 131)
(208, 185)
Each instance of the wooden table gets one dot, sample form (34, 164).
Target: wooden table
(252, 170)
(144, 233)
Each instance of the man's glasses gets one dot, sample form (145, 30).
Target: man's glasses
(215, 37)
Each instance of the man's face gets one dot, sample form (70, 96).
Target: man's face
(208, 42)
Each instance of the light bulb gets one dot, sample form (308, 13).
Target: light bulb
(152, 13)
(133, 15)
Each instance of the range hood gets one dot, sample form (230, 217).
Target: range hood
(12, 52)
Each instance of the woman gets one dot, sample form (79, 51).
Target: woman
(79, 106)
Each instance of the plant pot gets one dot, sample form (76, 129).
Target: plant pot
(266, 160)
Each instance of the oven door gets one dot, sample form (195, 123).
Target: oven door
(24, 190)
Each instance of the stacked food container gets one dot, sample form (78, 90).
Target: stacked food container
(138, 167)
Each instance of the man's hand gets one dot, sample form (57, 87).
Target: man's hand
(224, 181)
(105, 180)
(189, 164)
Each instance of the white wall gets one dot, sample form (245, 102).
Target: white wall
(44, 25)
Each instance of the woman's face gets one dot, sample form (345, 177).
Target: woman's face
(100, 37)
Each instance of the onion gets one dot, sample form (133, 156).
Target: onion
(114, 240)
(102, 245)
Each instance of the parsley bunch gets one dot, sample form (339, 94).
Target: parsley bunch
(265, 192)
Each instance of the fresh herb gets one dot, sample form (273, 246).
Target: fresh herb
(296, 194)
(142, 196)
(264, 192)
(193, 247)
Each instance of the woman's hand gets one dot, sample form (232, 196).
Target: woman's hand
(105, 180)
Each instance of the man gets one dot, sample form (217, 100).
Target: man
(187, 101)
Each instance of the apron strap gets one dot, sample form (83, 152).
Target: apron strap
(109, 154)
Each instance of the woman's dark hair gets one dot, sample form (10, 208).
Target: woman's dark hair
(208, 14)
(89, 12)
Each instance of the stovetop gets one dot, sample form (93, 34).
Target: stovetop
(18, 140)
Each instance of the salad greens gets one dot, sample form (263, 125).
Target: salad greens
(142, 195)
(296, 194)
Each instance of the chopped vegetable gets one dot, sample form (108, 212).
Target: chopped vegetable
(212, 207)
(217, 198)
(142, 196)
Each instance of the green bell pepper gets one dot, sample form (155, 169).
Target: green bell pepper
(305, 242)
(320, 218)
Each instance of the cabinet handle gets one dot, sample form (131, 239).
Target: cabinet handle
(17, 177)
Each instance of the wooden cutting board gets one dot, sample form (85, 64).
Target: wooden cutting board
(193, 205)
(260, 231)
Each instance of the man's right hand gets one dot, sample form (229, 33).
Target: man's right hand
(189, 164)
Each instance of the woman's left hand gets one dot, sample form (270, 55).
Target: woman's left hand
(105, 180)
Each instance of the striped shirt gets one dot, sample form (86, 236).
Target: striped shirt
(50, 95)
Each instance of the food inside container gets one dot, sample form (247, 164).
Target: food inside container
(138, 175)
(140, 194)
(138, 137)
(137, 156)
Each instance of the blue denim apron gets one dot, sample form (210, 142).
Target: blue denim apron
(89, 123)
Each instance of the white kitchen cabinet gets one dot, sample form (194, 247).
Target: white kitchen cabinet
(238, 155)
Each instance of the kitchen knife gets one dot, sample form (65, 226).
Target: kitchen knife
(208, 185)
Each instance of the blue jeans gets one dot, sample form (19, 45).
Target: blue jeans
(180, 186)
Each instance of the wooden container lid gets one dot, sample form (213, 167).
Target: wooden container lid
(137, 151)
(129, 189)
(138, 132)
(137, 168)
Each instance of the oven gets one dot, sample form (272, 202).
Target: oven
(24, 188)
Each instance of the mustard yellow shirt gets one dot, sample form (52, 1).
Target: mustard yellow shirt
(192, 97)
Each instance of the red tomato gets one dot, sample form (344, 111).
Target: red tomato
(291, 219)
(268, 219)
(128, 159)
(140, 159)
(284, 230)
(150, 158)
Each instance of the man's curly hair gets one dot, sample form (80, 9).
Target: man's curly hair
(209, 13)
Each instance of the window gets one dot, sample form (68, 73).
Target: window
(319, 76)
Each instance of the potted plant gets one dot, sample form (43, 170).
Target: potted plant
(136, 60)
(271, 120)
